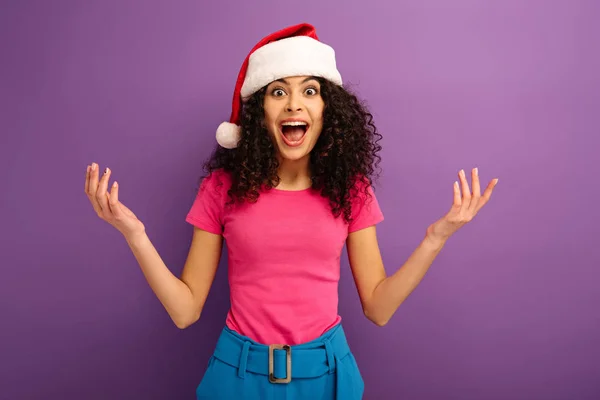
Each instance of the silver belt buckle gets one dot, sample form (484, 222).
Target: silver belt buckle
(288, 359)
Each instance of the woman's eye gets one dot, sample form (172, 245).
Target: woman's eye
(278, 92)
(311, 91)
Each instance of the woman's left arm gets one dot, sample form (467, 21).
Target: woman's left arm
(381, 295)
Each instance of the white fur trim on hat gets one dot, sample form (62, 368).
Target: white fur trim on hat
(228, 135)
(294, 56)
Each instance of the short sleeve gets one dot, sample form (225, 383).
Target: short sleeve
(365, 210)
(206, 212)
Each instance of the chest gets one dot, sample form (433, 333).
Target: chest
(280, 228)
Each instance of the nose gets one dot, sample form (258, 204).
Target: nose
(294, 103)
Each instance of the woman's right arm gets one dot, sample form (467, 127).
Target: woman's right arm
(182, 298)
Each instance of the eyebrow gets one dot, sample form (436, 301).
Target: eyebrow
(310, 78)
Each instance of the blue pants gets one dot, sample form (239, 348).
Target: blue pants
(323, 369)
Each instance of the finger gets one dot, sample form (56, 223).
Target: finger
(466, 191)
(476, 190)
(113, 200)
(486, 194)
(93, 185)
(87, 180)
(91, 188)
(101, 193)
(457, 199)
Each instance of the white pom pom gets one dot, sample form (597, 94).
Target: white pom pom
(228, 135)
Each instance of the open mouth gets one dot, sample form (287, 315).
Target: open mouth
(293, 132)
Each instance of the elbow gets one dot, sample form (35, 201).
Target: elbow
(377, 320)
(380, 322)
(185, 322)
(181, 324)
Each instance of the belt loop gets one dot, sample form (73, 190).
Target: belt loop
(330, 358)
(243, 360)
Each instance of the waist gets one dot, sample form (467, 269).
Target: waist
(277, 317)
(281, 362)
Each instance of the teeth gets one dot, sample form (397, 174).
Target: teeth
(295, 123)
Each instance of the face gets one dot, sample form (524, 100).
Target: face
(294, 115)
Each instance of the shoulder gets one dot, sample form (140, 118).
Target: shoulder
(217, 180)
(215, 186)
(361, 189)
(365, 206)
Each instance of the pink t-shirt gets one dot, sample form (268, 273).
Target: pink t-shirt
(284, 257)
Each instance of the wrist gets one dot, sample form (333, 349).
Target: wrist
(136, 237)
(435, 242)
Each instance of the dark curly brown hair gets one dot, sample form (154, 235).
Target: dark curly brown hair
(346, 151)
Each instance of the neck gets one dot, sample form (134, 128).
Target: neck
(294, 175)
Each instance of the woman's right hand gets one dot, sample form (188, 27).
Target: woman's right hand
(107, 205)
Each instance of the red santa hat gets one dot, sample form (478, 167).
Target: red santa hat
(292, 51)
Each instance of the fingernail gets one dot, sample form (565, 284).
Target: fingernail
(476, 171)
(115, 184)
(496, 181)
(106, 171)
(462, 172)
(93, 166)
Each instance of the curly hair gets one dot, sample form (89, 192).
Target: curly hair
(347, 151)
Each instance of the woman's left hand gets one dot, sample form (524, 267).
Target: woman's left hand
(463, 209)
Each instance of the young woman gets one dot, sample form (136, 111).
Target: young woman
(289, 185)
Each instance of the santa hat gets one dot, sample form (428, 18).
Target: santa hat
(292, 51)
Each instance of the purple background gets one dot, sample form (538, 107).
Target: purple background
(509, 310)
